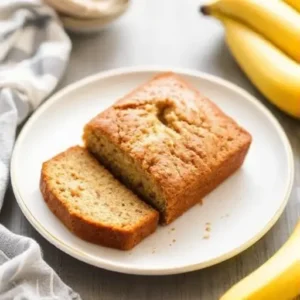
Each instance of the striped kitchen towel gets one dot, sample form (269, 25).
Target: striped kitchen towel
(34, 51)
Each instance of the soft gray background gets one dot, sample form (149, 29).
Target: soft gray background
(171, 33)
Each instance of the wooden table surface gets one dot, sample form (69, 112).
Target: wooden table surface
(171, 33)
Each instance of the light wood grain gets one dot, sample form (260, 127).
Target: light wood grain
(168, 33)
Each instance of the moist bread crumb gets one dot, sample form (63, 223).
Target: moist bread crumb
(92, 203)
(168, 143)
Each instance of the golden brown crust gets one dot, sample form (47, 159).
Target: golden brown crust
(105, 235)
(198, 191)
(177, 136)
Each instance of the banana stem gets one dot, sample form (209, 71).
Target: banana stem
(204, 9)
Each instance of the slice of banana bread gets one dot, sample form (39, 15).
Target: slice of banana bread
(168, 142)
(92, 203)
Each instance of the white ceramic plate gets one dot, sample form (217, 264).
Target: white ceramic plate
(240, 211)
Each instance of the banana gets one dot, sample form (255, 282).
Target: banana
(294, 3)
(278, 278)
(276, 75)
(274, 19)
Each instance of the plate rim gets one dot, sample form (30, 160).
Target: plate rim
(117, 267)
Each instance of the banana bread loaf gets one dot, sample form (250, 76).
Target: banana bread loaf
(167, 142)
(92, 203)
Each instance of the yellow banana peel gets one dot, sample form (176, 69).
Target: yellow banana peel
(274, 73)
(277, 279)
(294, 3)
(274, 19)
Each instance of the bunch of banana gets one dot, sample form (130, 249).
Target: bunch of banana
(264, 37)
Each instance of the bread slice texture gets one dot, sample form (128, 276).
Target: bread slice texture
(92, 204)
(169, 143)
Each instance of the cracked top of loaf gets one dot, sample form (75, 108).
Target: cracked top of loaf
(175, 133)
